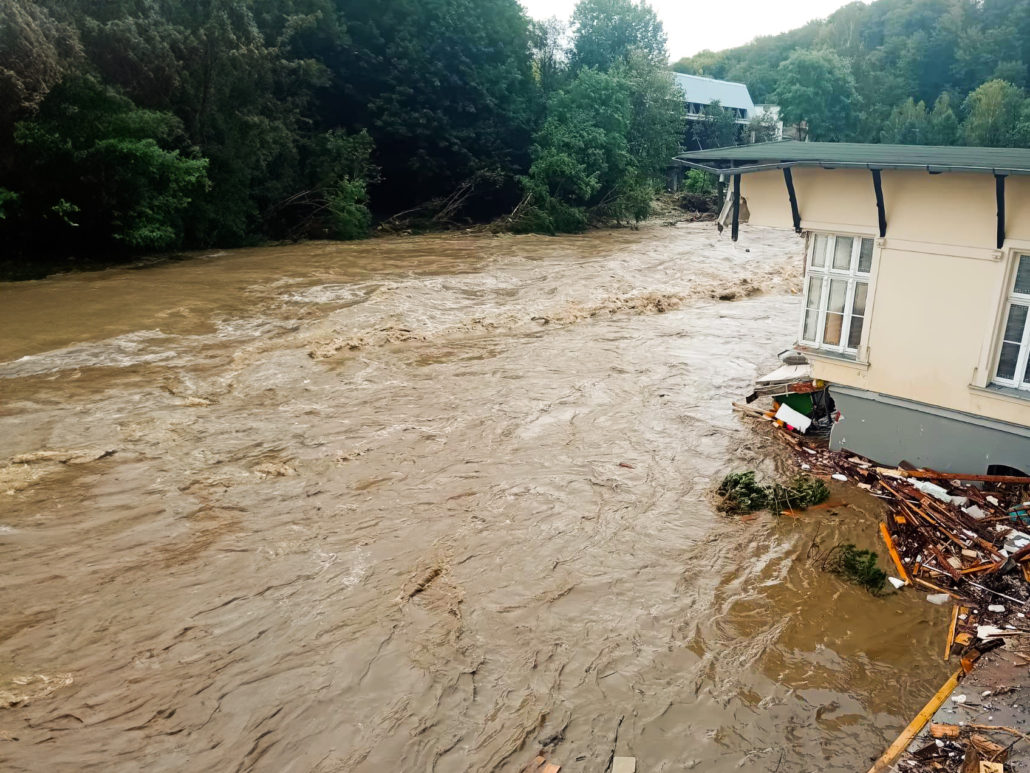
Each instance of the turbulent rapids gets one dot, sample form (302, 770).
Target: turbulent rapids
(425, 503)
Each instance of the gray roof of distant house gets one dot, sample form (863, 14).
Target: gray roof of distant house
(852, 155)
(706, 90)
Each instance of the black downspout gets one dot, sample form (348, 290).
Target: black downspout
(881, 214)
(999, 192)
(788, 177)
(735, 229)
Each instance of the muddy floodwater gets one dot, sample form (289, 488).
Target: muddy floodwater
(426, 504)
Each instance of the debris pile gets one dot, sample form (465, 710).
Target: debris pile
(961, 544)
(961, 748)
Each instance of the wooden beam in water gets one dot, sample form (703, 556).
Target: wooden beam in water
(888, 758)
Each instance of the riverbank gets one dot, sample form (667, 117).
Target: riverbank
(667, 210)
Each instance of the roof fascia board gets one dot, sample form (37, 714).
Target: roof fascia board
(931, 168)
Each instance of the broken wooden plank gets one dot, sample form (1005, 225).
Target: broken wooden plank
(944, 731)
(934, 475)
(938, 588)
(951, 632)
(918, 723)
(894, 553)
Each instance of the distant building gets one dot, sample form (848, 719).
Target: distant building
(700, 92)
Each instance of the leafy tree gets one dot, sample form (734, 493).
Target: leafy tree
(763, 127)
(816, 92)
(35, 52)
(908, 124)
(993, 114)
(607, 137)
(605, 32)
(657, 117)
(444, 87)
(943, 128)
(549, 49)
(99, 164)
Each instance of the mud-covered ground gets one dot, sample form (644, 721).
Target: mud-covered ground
(425, 504)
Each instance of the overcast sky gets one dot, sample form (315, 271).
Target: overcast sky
(695, 26)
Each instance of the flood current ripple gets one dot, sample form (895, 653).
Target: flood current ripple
(425, 504)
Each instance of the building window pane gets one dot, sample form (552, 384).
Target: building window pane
(855, 332)
(865, 257)
(1007, 362)
(842, 253)
(1016, 323)
(819, 250)
(1023, 276)
(861, 293)
(838, 296)
(815, 294)
(835, 312)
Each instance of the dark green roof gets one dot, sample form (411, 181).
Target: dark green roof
(844, 155)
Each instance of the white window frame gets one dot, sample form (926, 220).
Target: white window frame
(1012, 298)
(852, 276)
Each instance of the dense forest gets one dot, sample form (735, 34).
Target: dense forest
(133, 126)
(142, 125)
(932, 72)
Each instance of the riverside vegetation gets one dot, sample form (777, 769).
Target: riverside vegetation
(136, 126)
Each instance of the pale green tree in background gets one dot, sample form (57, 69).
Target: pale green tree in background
(605, 32)
(816, 92)
(993, 115)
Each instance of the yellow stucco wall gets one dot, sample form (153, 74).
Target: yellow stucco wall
(938, 282)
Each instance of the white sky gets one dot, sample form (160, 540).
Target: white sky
(700, 24)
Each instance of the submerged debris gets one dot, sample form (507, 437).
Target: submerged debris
(741, 493)
(802, 492)
(857, 565)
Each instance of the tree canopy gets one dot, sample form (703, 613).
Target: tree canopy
(135, 125)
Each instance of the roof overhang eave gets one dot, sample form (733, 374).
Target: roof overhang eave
(931, 168)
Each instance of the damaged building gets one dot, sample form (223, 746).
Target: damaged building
(917, 290)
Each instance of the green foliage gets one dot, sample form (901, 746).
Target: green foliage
(607, 32)
(741, 493)
(856, 565)
(606, 139)
(349, 218)
(943, 127)
(896, 50)
(994, 112)
(445, 88)
(908, 124)
(102, 164)
(762, 127)
(816, 92)
(35, 52)
(800, 493)
(700, 183)
(7, 200)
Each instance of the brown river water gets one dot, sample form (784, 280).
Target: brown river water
(426, 504)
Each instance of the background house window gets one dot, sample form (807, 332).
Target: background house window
(836, 291)
(1014, 355)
